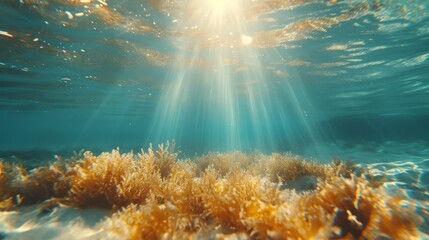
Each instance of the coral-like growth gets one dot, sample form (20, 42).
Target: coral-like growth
(252, 207)
(19, 186)
(110, 180)
(237, 198)
(288, 168)
(216, 196)
(350, 208)
(224, 163)
(97, 178)
(117, 180)
(6, 190)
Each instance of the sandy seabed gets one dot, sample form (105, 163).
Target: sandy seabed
(155, 195)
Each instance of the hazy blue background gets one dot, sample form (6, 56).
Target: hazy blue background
(92, 86)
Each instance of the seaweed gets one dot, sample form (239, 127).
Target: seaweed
(224, 163)
(20, 186)
(154, 195)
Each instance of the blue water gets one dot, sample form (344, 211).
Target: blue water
(269, 77)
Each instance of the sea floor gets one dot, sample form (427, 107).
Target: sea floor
(401, 170)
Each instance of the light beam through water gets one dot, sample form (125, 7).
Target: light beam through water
(217, 90)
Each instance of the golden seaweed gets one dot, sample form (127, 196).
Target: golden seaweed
(154, 195)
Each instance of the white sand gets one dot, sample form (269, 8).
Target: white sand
(61, 222)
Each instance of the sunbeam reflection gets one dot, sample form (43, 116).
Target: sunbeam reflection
(217, 89)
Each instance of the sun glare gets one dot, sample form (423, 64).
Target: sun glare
(212, 11)
(221, 6)
(215, 23)
(220, 84)
(246, 40)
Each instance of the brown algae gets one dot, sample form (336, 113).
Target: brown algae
(154, 195)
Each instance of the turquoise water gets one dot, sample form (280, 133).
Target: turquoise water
(317, 78)
(322, 79)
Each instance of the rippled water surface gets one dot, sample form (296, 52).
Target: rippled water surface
(214, 75)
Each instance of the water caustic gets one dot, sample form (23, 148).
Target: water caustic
(237, 84)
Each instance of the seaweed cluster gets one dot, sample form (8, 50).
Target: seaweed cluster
(153, 195)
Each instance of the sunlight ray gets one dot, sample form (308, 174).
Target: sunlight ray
(218, 106)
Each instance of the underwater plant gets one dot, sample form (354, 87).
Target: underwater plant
(20, 186)
(117, 180)
(288, 168)
(154, 195)
(224, 163)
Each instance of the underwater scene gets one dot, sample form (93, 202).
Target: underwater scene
(214, 119)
